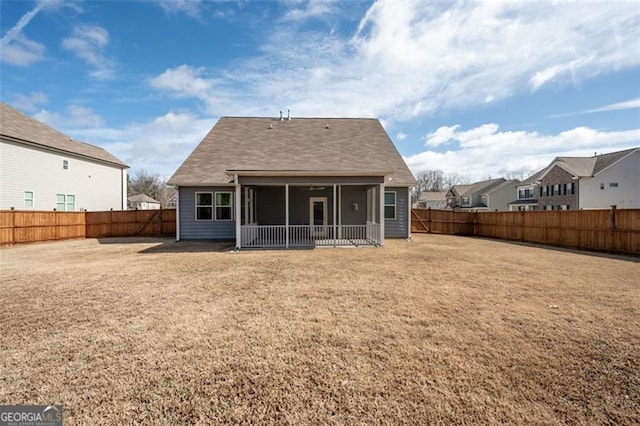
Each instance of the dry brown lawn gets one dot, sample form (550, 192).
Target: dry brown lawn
(439, 330)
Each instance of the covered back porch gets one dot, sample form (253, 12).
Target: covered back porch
(295, 212)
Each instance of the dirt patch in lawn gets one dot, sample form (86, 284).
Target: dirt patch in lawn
(439, 330)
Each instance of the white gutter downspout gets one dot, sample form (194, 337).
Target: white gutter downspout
(238, 213)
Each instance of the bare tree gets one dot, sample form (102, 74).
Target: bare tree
(151, 184)
(436, 181)
(452, 179)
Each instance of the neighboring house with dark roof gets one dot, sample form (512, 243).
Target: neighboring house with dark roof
(432, 200)
(268, 182)
(142, 202)
(596, 182)
(486, 195)
(43, 169)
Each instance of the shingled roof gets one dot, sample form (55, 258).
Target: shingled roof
(303, 146)
(581, 166)
(18, 127)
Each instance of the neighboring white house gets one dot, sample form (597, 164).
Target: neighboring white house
(142, 202)
(615, 182)
(43, 169)
(596, 182)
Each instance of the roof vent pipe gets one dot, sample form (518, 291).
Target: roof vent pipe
(289, 114)
(280, 115)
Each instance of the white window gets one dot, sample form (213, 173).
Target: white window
(65, 164)
(563, 207)
(466, 201)
(556, 189)
(65, 202)
(601, 185)
(548, 207)
(568, 188)
(224, 210)
(28, 198)
(613, 185)
(204, 206)
(389, 205)
(525, 193)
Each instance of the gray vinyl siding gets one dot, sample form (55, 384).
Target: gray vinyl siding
(351, 195)
(192, 229)
(398, 227)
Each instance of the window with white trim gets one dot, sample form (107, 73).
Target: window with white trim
(613, 185)
(466, 200)
(569, 188)
(65, 202)
(65, 164)
(224, 207)
(28, 198)
(204, 205)
(390, 205)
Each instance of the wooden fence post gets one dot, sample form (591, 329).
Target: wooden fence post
(612, 232)
(13, 226)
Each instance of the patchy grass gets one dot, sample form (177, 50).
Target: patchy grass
(439, 330)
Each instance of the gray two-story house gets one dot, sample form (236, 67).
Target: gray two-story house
(302, 182)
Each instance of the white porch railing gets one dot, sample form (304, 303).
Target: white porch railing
(275, 236)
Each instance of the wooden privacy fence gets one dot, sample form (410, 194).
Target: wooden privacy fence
(129, 223)
(28, 226)
(18, 226)
(612, 230)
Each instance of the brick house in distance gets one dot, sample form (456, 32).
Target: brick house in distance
(596, 182)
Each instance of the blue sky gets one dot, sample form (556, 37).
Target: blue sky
(475, 88)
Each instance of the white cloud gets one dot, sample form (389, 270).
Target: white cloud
(29, 102)
(88, 43)
(441, 135)
(191, 8)
(630, 104)
(183, 81)
(310, 9)
(22, 51)
(410, 59)
(401, 136)
(16, 48)
(485, 150)
(76, 116)
(159, 145)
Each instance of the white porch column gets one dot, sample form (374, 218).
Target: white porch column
(286, 212)
(335, 198)
(246, 206)
(238, 214)
(340, 212)
(381, 214)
